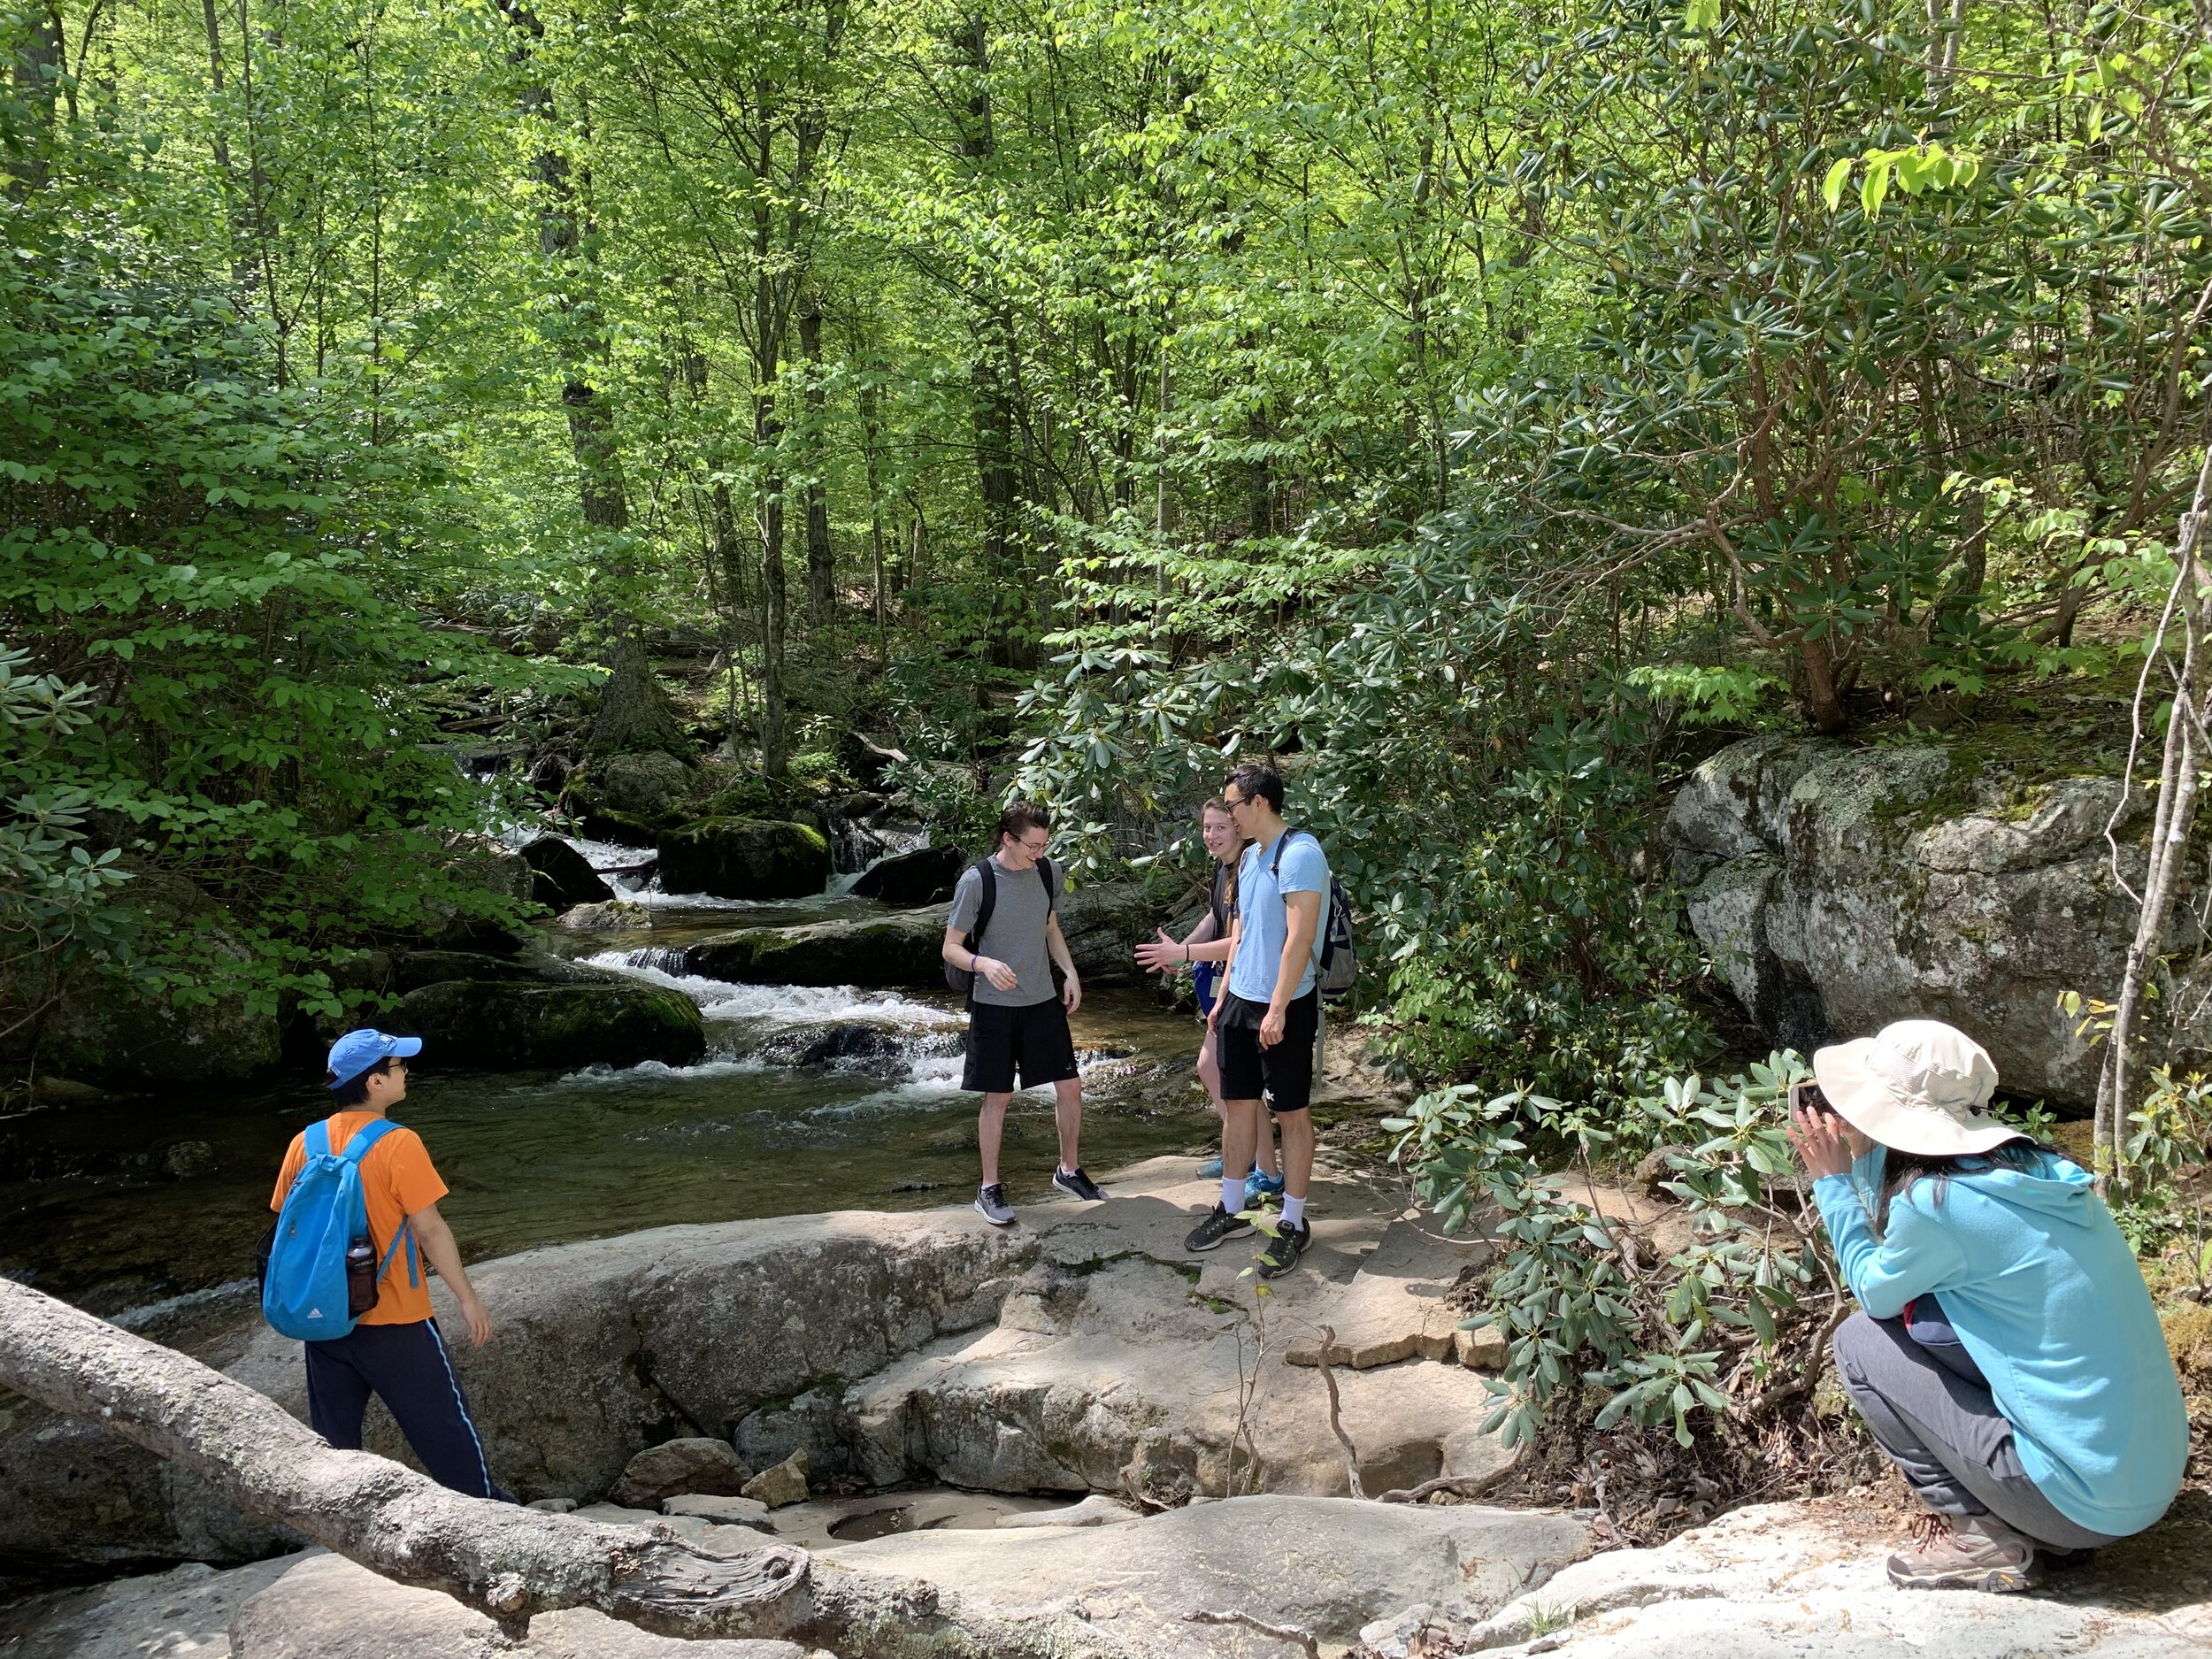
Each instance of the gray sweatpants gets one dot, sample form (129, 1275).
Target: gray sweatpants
(1945, 1434)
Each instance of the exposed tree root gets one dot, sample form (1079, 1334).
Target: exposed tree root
(508, 1562)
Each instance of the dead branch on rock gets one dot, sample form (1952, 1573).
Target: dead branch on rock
(506, 1562)
(1336, 1412)
(1305, 1639)
(1458, 1486)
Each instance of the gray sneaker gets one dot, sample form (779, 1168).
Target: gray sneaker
(990, 1203)
(1218, 1229)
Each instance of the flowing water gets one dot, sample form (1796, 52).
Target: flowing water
(810, 1099)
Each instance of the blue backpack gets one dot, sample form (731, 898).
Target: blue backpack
(320, 1270)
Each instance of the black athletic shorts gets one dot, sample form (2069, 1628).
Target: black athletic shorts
(1281, 1075)
(1032, 1041)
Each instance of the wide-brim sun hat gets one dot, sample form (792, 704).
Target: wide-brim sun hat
(1919, 1085)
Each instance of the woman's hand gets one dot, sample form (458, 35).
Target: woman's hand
(1819, 1140)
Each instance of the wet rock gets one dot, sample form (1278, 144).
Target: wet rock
(187, 1158)
(487, 1026)
(784, 1483)
(618, 829)
(619, 916)
(105, 1030)
(1842, 888)
(564, 877)
(50, 1090)
(850, 1043)
(744, 858)
(905, 948)
(923, 876)
(694, 1463)
(327, 1608)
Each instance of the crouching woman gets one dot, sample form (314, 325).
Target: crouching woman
(2006, 1354)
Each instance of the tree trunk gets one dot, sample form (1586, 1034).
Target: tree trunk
(821, 570)
(2171, 827)
(870, 453)
(37, 72)
(509, 1562)
(775, 593)
(1821, 696)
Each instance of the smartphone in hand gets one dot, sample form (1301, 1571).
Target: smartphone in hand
(1806, 1097)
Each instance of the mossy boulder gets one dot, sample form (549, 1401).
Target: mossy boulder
(496, 1026)
(626, 799)
(564, 877)
(744, 858)
(926, 875)
(105, 1029)
(1839, 888)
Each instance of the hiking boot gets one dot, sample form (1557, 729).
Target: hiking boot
(1217, 1229)
(990, 1203)
(1081, 1185)
(1259, 1186)
(1284, 1250)
(1965, 1552)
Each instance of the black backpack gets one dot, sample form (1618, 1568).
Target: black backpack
(1339, 965)
(963, 979)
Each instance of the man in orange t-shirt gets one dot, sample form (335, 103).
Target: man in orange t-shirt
(394, 1350)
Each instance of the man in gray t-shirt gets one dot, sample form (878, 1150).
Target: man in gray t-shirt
(1017, 1024)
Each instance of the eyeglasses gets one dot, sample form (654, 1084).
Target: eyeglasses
(1035, 847)
(1234, 805)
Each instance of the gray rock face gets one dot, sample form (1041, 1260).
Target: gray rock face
(491, 868)
(692, 1463)
(1840, 889)
(784, 1483)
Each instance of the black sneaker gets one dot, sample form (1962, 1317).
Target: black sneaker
(1080, 1185)
(1284, 1250)
(991, 1204)
(1218, 1229)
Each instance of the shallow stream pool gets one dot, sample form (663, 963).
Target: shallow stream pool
(131, 1204)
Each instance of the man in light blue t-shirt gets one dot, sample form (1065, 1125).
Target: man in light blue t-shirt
(1266, 1021)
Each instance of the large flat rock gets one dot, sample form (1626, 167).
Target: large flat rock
(1395, 1307)
(1326, 1565)
(1778, 1581)
(327, 1608)
(1074, 1352)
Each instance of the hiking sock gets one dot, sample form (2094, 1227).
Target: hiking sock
(1294, 1210)
(1232, 1194)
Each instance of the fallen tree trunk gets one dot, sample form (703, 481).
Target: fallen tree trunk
(507, 1562)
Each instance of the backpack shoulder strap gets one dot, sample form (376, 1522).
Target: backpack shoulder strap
(1275, 864)
(367, 1136)
(985, 901)
(315, 1139)
(1044, 874)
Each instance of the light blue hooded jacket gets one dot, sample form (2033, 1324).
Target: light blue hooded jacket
(2043, 1293)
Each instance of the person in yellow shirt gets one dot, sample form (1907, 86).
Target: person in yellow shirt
(395, 1351)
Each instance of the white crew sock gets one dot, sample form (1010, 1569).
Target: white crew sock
(1232, 1193)
(1294, 1210)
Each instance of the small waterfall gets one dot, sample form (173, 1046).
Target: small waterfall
(854, 843)
(660, 959)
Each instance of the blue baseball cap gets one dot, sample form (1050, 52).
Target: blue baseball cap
(357, 1050)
